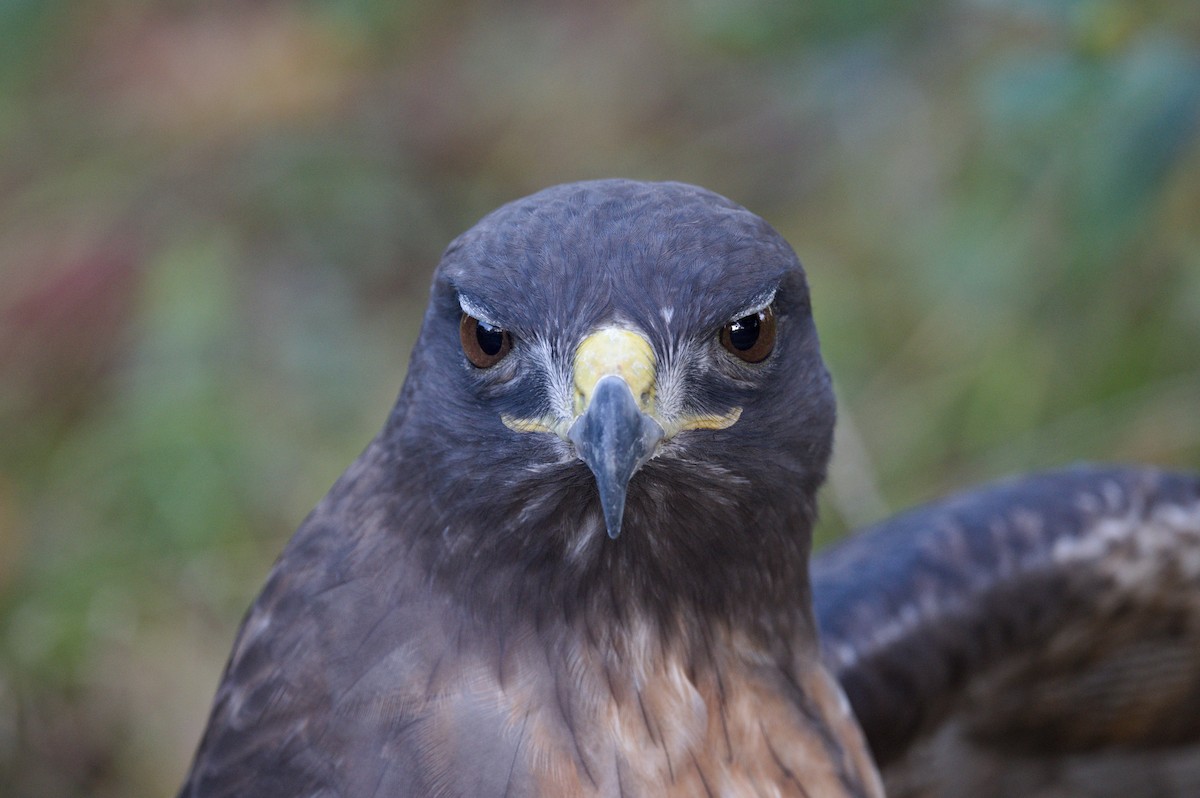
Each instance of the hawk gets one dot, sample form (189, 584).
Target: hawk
(575, 560)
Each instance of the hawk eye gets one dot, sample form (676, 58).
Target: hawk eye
(751, 338)
(483, 344)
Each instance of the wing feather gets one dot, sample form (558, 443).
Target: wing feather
(1039, 633)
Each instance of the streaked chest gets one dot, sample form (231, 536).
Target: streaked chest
(657, 726)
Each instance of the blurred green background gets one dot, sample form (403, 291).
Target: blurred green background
(218, 221)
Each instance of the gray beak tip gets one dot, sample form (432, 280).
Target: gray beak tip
(614, 437)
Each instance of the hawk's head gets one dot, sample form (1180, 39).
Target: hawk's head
(632, 358)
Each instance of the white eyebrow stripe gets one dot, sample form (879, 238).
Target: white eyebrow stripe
(760, 303)
(477, 311)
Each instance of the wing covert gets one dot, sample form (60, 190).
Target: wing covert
(1049, 619)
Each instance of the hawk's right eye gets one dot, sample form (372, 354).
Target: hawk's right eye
(483, 344)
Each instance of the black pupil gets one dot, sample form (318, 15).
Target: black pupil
(490, 339)
(744, 332)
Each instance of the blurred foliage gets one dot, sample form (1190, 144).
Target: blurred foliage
(218, 221)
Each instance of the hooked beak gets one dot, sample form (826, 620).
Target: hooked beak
(615, 431)
(614, 437)
(615, 425)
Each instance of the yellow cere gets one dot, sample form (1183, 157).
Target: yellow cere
(529, 424)
(710, 420)
(613, 351)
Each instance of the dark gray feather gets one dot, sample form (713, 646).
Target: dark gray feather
(1051, 620)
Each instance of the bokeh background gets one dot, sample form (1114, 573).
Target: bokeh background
(218, 221)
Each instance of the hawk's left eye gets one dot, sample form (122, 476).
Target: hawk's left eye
(751, 338)
(483, 344)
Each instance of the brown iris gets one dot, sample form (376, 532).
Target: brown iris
(752, 337)
(483, 344)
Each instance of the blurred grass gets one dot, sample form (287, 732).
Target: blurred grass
(218, 221)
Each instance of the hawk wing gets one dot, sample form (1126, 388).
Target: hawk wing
(1039, 636)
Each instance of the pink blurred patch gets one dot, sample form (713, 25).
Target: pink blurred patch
(64, 326)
